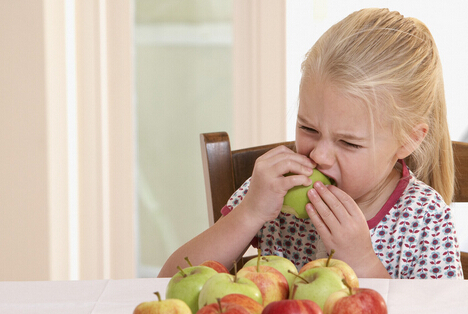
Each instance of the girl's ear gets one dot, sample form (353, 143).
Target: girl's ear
(417, 136)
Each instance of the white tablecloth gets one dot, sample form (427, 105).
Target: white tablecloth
(122, 296)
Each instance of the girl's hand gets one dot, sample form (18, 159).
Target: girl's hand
(342, 227)
(268, 185)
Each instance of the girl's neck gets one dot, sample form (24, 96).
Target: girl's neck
(372, 206)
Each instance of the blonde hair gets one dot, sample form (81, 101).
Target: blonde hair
(392, 63)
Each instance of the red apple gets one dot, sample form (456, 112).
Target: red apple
(272, 284)
(252, 306)
(338, 266)
(292, 307)
(282, 264)
(175, 306)
(220, 268)
(355, 301)
(222, 307)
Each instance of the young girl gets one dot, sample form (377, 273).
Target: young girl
(371, 107)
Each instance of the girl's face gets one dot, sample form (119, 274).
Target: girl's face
(337, 135)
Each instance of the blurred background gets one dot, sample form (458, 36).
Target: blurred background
(102, 104)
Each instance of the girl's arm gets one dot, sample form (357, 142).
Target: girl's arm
(224, 242)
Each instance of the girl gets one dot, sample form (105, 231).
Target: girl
(371, 107)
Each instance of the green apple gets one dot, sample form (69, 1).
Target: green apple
(175, 306)
(316, 284)
(281, 264)
(223, 284)
(296, 198)
(187, 284)
(338, 266)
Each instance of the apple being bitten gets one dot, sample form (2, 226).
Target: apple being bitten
(282, 264)
(355, 301)
(316, 284)
(296, 198)
(338, 266)
(187, 284)
(223, 284)
(175, 306)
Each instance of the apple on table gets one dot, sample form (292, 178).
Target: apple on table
(220, 268)
(174, 306)
(280, 263)
(338, 266)
(272, 284)
(221, 307)
(316, 284)
(355, 301)
(241, 300)
(293, 306)
(187, 284)
(223, 284)
(296, 198)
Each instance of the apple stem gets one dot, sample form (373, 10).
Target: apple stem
(219, 304)
(258, 259)
(293, 292)
(182, 271)
(298, 276)
(235, 271)
(348, 286)
(330, 257)
(158, 295)
(188, 261)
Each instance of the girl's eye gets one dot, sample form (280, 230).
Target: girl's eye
(308, 129)
(352, 145)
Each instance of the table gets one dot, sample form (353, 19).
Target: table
(122, 296)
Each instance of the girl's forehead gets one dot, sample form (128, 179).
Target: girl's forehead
(327, 105)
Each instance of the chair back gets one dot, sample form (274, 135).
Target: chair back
(225, 171)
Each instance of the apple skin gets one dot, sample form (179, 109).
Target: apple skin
(223, 284)
(321, 282)
(220, 268)
(188, 288)
(252, 306)
(221, 307)
(174, 306)
(355, 301)
(272, 284)
(292, 307)
(296, 198)
(282, 264)
(338, 266)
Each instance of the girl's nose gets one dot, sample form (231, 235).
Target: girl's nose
(322, 154)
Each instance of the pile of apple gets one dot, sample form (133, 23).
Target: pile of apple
(267, 285)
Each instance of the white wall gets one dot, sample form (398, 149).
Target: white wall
(307, 19)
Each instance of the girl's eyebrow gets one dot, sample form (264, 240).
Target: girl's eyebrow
(350, 137)
(341, 135)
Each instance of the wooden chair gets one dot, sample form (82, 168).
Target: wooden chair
(225, 171)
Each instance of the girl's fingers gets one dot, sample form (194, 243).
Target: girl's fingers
(322, 208)
(317, 221)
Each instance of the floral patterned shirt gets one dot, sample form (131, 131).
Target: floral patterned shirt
(413, 234)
